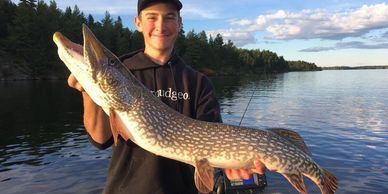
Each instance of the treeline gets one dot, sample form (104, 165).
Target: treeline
(302, 66)
(27, 49)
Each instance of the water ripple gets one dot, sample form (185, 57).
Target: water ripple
(342, 115)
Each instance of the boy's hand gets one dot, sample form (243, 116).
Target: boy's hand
(73, 83)
(239, 174)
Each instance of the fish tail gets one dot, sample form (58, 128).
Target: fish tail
(329, 184)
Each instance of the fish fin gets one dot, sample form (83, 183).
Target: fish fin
(204, 176)
(118, 127)
(113, 126)
(292, 137)
(297, 182)
(329, 183)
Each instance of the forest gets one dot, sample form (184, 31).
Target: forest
(28, 52)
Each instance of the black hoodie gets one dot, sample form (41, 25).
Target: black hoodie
(133, 170)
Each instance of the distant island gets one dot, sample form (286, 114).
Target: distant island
(353, 68)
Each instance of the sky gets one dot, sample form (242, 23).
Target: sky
(325, 32)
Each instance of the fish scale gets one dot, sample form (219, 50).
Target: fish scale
(138, 116)
(262, 143)
(253, 143)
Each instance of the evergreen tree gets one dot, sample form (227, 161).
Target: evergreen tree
(90, 21)
(7, 14)
(46, 24)
(108, 34)
(203, 37)
(180, 43)
(218, 41)
(137, 41)
(123, 40)
(193, 50)
(71, 23)
(21, 38)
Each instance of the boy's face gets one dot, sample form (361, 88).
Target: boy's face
(160, 24)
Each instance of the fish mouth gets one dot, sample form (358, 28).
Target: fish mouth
(65, 44)
(91, 54)
(92, 48)
(70, 53)
(94, 51)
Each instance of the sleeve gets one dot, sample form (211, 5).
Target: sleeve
(101, 146)
(207, 108)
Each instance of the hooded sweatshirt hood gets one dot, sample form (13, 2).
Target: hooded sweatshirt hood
(137, 60)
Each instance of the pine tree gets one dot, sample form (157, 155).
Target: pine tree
(21, 38)
(7, 14)
(123, 40)
(180, 43)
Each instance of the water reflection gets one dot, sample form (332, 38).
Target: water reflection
(343, 116)
(235, 93)
(34, 115)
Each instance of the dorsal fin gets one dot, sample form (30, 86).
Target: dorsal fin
(293, 137)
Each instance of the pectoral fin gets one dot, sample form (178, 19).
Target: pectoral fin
(204, 176)
(297, 181)
(117, 127)
(113, 126)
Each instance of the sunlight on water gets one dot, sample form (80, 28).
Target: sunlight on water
(343, 116)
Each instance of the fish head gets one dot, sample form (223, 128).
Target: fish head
(97, 69)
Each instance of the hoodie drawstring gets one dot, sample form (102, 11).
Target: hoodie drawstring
(178, 108)
(155, 84)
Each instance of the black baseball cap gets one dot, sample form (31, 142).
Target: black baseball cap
(142, 4)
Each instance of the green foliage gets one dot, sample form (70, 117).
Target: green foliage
(7, 13)
(303, 66)
(26, 33)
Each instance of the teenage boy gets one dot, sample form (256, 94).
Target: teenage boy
(132, 169)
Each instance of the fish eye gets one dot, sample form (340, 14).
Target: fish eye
(112, 62)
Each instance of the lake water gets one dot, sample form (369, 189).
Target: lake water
(342, 115)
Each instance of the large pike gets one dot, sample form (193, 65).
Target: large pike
(157, 128)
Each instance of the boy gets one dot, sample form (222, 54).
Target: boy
(132, 169)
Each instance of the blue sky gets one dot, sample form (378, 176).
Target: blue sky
(328, 33)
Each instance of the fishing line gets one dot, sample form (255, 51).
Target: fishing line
(246, 108)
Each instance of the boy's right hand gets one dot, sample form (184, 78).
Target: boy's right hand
(73, 83)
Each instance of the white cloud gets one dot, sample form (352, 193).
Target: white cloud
(239, 37)
(129, 7)
(315, 24)
(243, 22)
(348, 45)
(117, 7)
(264, 20)
(324, 24)
(192, 11)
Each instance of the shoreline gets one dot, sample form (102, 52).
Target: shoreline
(212, 74)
